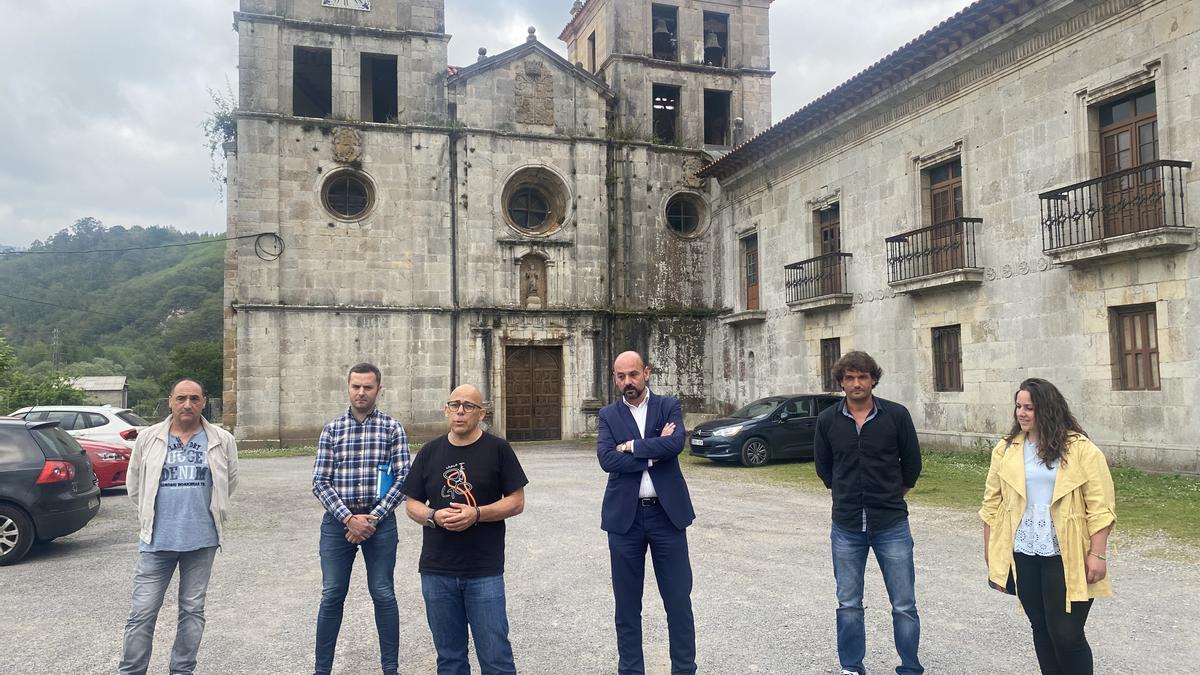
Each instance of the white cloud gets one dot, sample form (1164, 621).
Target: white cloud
(103, 100)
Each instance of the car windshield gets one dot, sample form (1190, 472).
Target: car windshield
(133, 419)
(759, 408)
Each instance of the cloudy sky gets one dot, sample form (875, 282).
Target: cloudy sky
(102, 100)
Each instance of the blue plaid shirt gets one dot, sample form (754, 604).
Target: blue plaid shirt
(344, 472)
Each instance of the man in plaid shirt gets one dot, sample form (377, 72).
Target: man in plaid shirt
(358, 454)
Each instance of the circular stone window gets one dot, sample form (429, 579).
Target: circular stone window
(685, 214)
(347, 195)
(534, 201)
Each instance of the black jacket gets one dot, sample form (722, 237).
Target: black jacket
(868, 470)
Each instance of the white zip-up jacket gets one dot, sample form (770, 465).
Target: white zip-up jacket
(145, 471)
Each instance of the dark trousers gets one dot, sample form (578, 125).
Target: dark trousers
(1058, 639)
(669, 553)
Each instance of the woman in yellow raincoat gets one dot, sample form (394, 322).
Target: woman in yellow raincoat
(1048, 508)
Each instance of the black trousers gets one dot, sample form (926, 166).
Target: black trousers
(1058, 639)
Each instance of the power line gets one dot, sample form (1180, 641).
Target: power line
(51, 304)
(267, 246)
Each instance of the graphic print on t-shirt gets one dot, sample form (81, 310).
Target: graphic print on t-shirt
(185, 466)
(456, 483)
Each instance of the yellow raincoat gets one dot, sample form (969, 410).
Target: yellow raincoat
(1084, 503)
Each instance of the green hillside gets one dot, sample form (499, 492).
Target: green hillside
(152, 314)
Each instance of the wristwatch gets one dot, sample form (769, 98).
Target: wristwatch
(430, 521)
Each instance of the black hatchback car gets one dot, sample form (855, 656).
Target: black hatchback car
(769, 428)
(47, 487)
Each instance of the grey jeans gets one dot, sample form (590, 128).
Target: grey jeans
(150, 579)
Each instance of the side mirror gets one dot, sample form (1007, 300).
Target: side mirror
(783, 416)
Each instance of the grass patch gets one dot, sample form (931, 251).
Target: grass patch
(266, 453)
(306, 451)
(1146, 503)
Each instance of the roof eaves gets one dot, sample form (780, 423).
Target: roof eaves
(909, 59)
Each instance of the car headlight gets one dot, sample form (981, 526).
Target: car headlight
(728, 431)
(111, 456)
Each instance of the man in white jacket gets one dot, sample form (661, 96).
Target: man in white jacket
(181, 474)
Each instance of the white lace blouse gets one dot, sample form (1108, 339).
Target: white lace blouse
(1035, 535)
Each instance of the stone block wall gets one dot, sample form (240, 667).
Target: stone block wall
(410, 15)
(532, 94)
(265, 58)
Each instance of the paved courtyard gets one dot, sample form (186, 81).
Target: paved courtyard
(763, 594)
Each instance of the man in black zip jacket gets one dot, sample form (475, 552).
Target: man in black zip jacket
(868, 456)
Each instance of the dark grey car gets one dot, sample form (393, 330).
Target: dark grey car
(775, 427)
(47, 486)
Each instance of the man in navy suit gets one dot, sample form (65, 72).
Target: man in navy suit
(646, 503)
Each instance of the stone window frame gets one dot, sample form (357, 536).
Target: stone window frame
(829, 358)
(326, 181)
(826, 198)
(922, 202)
(545, 180)
(1147, 358)
(946, 350)
(1087, 104)
(703, 211)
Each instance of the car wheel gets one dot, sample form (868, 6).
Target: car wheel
(755, 452)
(16, 535)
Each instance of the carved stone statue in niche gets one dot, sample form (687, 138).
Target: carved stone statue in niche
(533, 281)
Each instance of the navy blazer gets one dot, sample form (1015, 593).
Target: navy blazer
(625, 469)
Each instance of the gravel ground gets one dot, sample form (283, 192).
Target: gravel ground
(764, 599)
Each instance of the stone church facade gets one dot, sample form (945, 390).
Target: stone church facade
(514, 223)
(1005, 196)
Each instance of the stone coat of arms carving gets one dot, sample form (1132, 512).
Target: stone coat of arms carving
(347, 145)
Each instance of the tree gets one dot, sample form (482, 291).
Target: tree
(21, 390)
(200, 361)
(8, 360)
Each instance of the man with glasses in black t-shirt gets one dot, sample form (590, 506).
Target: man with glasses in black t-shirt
(462, 486)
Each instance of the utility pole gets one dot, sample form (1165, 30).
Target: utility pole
(54, 349)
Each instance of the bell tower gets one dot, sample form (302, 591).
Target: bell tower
(692, 74)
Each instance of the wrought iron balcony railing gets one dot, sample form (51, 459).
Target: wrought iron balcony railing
(939, 248)
(1147, 197)
(816, 277)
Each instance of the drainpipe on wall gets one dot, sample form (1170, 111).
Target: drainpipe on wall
(454, 311)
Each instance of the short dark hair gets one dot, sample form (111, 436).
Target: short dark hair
(363, 368)
(859, 361)
(198, 383)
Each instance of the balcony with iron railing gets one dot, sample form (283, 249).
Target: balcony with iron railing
(818, 283)
(935, 257)
(1129, 213)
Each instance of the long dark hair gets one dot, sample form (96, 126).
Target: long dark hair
(1053, 418)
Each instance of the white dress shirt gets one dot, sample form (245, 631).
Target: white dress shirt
(639, 417)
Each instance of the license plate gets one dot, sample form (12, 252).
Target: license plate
(697, 441)
(94, 503)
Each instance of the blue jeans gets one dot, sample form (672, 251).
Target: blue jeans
(894, 552)
(452, 604)
(150, 581)
(337, 561)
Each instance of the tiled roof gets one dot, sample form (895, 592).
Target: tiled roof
(931, 47)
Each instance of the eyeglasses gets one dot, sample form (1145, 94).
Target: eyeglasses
(466, 406)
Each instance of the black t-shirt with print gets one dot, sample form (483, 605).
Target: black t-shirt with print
(491, 471)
